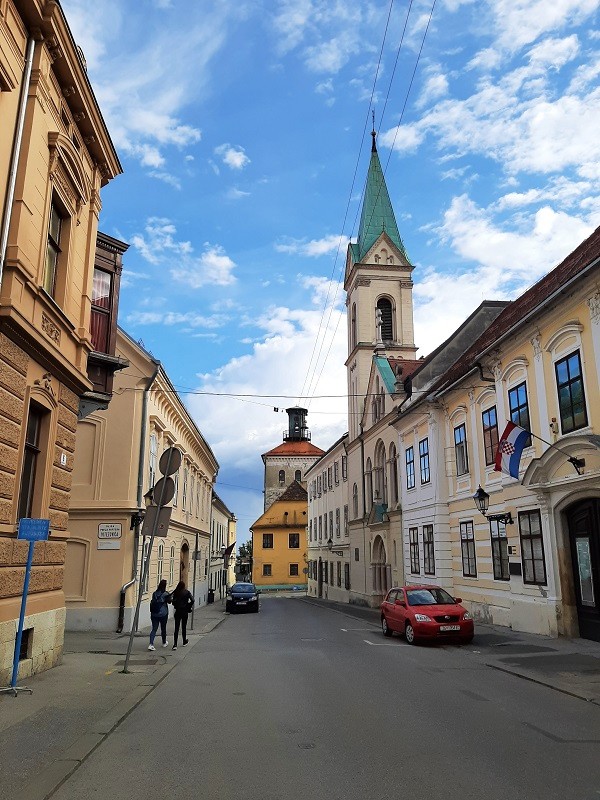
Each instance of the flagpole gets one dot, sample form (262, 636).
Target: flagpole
(578, 463)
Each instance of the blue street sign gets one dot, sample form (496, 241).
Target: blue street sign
(34, 530)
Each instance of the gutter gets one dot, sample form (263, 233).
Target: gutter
(16, 152)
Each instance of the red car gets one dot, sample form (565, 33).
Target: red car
(425, 612)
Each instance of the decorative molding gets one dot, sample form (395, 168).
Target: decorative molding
(69, 91)
(594, 306)
(573, 328)
(45, 382)
(363, 282)
(536, 343)
(50, 329)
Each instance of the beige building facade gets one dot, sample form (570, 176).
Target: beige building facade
(117, 467)
(328, 533)
(222, 547)
(55, 156)
(533, 562)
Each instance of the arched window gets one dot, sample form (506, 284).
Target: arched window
(172, 565)
(369, 484)
(161, 554)
(281, 477)
(353, 326)
(387, 326)
(355, 501)
(298, 475)
(185, 489)
(394, 472)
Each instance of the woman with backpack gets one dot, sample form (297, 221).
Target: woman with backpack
(159, 613)
(183, 603)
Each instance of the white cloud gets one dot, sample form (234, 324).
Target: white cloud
(502, 263)
(166, 177)
(436, 86)
(236, 194)
(171, 318)
(143, 94)
(159, 240)
(554, 53)
(520, 22)
(213, 267)
(315, 247)
(289, 336)
(233, 156)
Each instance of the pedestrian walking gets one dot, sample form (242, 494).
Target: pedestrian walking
(159, 613)
(183, 603)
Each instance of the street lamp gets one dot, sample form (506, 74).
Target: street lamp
(331, 550)
(482, 501)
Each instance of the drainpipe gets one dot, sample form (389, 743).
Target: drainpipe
(140, 498)
(16, 152)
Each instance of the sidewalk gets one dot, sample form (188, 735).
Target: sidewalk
(45, 736)
(571, 666)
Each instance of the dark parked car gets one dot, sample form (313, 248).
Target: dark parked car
(242, 596)
(425, 612)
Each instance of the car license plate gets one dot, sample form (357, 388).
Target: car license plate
(242, 602)
(445, 628)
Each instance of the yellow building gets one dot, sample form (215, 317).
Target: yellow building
(279, 543)
(117, 465)
(55, 155)
(533, 561)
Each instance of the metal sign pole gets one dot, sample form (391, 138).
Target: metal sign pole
(31, 530)
(13, 688)
(146, 566)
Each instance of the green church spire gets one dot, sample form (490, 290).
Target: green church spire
(377, 212)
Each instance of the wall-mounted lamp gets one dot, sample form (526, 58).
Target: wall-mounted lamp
(138, 516)
(482, 501)
(331, 550)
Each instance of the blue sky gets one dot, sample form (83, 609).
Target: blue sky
(242, 126)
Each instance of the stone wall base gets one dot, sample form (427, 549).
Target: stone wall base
(45, 649)
(522, 614)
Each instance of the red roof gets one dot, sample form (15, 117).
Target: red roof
(515, 312)
(299, 448)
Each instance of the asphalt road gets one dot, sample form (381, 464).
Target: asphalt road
(299, 701)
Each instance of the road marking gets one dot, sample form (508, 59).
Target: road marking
(385, 644)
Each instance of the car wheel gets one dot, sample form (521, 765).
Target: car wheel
(409, 633)
(386, 630)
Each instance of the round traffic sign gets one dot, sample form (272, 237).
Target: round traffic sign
(164, 491)
(170, 461)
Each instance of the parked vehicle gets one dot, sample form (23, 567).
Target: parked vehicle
(242, 596)
(425, 612)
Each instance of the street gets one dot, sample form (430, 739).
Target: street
(301, 700)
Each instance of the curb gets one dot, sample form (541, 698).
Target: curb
(60, 770)
(553, 686)
(507, 671)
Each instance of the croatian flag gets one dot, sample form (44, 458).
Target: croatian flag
(510, 448)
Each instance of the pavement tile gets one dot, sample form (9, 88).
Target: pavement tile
(75, 705)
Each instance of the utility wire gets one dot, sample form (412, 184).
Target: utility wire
(325, 304)
(389, 156)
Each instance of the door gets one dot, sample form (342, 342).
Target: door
(584, 534)
(320, 579)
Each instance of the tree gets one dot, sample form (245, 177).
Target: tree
(245, 550)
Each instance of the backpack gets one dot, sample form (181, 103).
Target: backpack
(156, 603)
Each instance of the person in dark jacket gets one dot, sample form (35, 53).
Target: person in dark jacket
(183, 603)
(159, 613)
